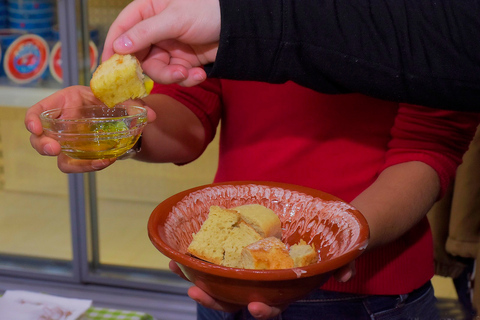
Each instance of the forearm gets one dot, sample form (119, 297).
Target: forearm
(422, 52)
(399, 198)
(176, 135)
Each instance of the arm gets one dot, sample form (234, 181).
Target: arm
(426, 147)
(399, 198)
(176, 135)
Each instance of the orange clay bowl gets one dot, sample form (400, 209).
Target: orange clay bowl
(339, 231)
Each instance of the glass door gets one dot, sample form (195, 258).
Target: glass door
(35, 228)
(81, 228)
(34, 210)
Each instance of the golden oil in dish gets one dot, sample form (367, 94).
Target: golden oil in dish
(101, 149)
(100, 141)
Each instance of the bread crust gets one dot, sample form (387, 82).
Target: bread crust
(264, 220)
(268, 253)
(303, 254)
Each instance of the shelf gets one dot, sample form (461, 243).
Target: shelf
(23, 97)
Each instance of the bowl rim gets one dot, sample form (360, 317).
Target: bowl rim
(251, 274)
(143, 114)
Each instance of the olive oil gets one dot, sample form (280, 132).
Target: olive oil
(103, 141)
(99, 149)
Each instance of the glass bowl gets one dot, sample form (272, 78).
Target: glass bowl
(339, 232)
(95, 131)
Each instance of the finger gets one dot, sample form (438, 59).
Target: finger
(177, 74)
(207, 301)
(151, 115)
(33, 124)
(157, 65)
(195, 77)
(262, 311)
(147, 32)
(71, 96)
(70, 165)
(45, 146)
(32, 117)
(166, 74)
(173, 266)
(345, 273)
(132, 14)
(176, 269)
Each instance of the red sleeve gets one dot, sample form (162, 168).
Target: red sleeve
(204, 100)
(438, 138)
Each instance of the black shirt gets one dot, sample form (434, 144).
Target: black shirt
(424, 52)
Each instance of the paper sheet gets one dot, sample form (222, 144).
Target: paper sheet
(25, 305)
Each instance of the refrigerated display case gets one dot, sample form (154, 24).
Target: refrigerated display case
(84, 235)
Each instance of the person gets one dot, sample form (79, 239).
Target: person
(422, 52)
(455, 223)
(390, 160)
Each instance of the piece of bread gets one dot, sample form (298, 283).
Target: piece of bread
(303, 254)
(265, 221)
(222, 237)
(239, 237)
(207, 243)
(235, 238)
(268, 253)
(118, 79)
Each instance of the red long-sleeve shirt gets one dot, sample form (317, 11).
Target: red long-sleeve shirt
(335, 143)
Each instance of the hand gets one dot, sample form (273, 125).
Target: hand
(71, 96)
(258, 310)
(172, 39)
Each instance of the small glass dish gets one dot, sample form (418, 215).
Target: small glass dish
(95, 131)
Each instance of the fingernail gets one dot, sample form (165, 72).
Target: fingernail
(99, 164)
(123, 42)
(47, 149)
(347, 276)
(30, 126)
(198, 77)
(178, 75)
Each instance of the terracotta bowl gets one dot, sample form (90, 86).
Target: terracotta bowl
(339, 232)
